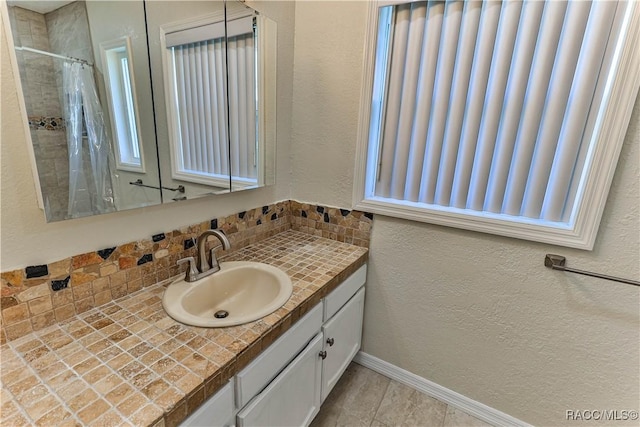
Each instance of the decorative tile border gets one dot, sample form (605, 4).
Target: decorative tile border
(42, 295)
(343, 225)
(46, 123)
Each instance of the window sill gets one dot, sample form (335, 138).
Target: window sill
(484, 222)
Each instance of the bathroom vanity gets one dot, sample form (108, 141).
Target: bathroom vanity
(128, 361)
(287, 383)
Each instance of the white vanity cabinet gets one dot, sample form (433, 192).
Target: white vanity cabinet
(219, 410)
(293, 397)
(342, 340)
(286, 384)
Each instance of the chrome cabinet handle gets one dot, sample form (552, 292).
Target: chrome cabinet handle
(330, 341)
(323, 354)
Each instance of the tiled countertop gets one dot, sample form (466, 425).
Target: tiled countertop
(128, 363)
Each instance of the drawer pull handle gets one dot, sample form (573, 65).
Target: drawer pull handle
(330, 341)
(323, 355)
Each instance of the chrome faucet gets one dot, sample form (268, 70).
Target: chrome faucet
(202, 268)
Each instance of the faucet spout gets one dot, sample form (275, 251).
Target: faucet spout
(203, 263)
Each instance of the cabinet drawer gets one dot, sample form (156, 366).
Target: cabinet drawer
(218, 410)
(293, 398)
(255, 377)
(344, 292)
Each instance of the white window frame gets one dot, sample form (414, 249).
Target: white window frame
(112, 82)
(611, 127)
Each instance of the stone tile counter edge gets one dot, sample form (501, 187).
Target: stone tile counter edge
(127, 362)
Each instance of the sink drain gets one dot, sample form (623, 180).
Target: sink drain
(221, 314)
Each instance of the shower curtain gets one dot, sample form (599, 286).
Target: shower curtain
(90, 186)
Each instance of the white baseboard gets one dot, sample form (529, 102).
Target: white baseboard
(443, 394)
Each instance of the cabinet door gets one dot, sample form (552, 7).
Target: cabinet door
(342, 339)
(218, 410)
(293, 397)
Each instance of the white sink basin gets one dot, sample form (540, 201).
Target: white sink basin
(244, 291)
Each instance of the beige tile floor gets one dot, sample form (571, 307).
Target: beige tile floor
(363, 397)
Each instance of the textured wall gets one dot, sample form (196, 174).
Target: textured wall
(476, 313)
(26, 239)
(328, 66)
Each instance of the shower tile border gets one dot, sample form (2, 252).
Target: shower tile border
(46, 123)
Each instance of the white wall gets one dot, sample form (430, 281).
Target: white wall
(476, 313)
(25, 238)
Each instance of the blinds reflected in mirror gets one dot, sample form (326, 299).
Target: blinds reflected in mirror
(204, 150)
(243, 107)
(199, 86)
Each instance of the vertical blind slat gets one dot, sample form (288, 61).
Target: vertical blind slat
(440, 105)
(557, 99)
(503, 51)
(252, 108)
(202, 143)
(215, 111)
(459, 90)
(430, 47)
(541, 67)
(187, 99)
(222, 107)
(242, 106)
(592, 56)
(190, 107)
(195, 117)
(181, 103)
(477, 89)
(514, 97)
(234, 131)
(207, 91)
(407, 108)
(394, 98)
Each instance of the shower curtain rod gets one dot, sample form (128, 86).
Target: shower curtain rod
(55, 55)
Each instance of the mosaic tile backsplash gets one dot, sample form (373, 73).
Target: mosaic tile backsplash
(42, 295)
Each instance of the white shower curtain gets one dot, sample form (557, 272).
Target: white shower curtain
(90, 187)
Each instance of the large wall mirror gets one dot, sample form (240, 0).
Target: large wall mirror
(133, 103)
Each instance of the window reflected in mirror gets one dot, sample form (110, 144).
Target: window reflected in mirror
(218, 81)
(119, 82)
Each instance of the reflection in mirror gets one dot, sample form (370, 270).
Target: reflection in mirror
(116, 26)
(214, 124)
(251, 52)
(96, 143)
(70, 125)
(119, 85)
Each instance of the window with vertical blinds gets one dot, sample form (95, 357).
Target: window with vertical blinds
(205, 149)
(488, 113)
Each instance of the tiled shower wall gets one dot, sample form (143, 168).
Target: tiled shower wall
(69, 35)
(41, 295)
(64, 31)
(44, 107)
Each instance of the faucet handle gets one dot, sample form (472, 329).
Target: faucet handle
(192, 271)
(214, 261)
